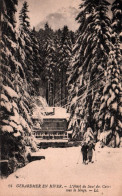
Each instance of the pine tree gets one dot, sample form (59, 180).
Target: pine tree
(90, 56)
(45, 37)
(49, 51)
(37, 62)
(15, 118)
(27, 46)
(64, 54)
(110, 111)
(24, 18)
(116, 20)
(57, 75)
(48, 59)
(111, 107)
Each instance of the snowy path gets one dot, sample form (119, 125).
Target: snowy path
(60, 170)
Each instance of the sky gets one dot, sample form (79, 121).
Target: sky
(56, 12)
(41, 10)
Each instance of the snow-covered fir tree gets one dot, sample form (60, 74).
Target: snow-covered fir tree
(31, 51)
(89, 60)
(46, 45)
(16, 132)
(111, 107)
(24, 18)
(37, 62)
(65, 52)
(63, 45)
(48, 60)
(27, 45)
(117, 20)
(110, 121)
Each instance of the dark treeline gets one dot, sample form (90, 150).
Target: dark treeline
(55, 53)
(78, 70)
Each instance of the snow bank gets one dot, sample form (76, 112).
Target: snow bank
(63, 166)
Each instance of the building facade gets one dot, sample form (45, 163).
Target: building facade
(53, 129)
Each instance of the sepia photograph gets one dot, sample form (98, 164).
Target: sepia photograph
(60, 97)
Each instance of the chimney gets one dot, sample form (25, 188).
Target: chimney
(53, 111)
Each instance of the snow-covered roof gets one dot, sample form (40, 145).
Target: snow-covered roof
(70, 131)
(51, 140)
(56, 112)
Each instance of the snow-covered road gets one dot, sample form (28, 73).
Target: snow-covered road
(60, 175)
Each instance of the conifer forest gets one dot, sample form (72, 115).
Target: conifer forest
(78, 70)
